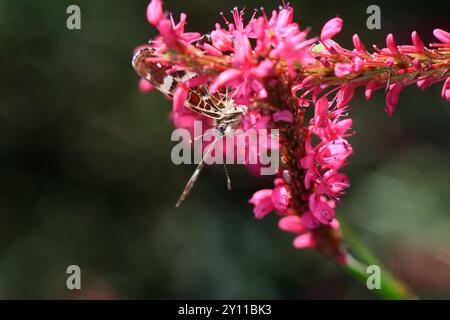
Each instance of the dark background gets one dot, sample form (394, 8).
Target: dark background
(86, 176)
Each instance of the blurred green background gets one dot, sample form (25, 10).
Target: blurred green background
(86, 176)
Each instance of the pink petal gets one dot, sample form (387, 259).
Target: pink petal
(359, 46)
(304, 241)
(418, 44)
(442, 35)
(392, 97)
(224, 78)
(331, 28)
(179, 97)
(371, 85)
(280, 198)
(145, 86)
(154, 12)
(284, 115)
(309, 221)
(390, 42)
(262, 200)
(291, 224)
(446, 89)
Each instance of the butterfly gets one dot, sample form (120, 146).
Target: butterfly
(218, 106)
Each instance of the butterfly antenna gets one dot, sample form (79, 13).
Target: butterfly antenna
(227, 176)
(195, 175)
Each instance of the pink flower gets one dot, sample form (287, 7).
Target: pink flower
(446, 89)
(333, 184)
(144, 85)
(262, 200)
(321, 209)
(342, 69)
(221, 40)
(418, 44)
(291, 224)
(179, 97)
(390, 42)
(309, 221)
(442, 35)
(392, 97)
(359, 46)
(154, 11)
(303, 241)
(371, 85)
(331, 28)
(280, 198)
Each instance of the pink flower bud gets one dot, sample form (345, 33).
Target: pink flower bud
(342, 69)
(280, 198)
(392, 97)
(359, 46)
(221, 39)
(284, 115)
(418, 44)
(425, 82)
(304, 241)
(442, 35)
(390, 42)
(320, 209)
(371, 85)
(331, 28)
(446, 90)
(291, 224)
(262, 200)
(264, 69)
(154, 11)
(144, 85)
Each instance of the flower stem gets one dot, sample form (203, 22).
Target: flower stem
(390, 287)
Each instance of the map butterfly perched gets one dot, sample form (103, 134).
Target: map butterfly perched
(218, 106)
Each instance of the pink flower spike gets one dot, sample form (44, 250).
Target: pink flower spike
(291, 224)
(390, 42)
(442, 35)
(285, 116)
(145, 86)
(262, 200)
(179, 97)
(154, 12)
(304, 241)
(418, 44)
(224, 78)
(331, 28)
(392, 97)
(446, 90)
(281, 198)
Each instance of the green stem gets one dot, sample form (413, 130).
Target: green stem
(390, 287)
